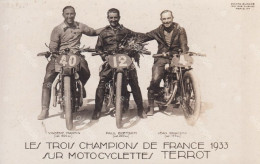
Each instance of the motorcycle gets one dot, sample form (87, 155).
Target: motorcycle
(180, 86)
(121, 61)
(67, 88)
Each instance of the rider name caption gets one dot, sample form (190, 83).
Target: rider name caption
(63, 134)
(126, 150)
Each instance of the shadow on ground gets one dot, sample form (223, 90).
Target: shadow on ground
(82, 118)
(173, 111)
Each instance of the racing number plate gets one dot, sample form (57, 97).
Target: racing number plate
(182, 61)
(68, 60)
(119, 61)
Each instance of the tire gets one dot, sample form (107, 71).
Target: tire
(68, 103)
(191, 104)
(119, 104)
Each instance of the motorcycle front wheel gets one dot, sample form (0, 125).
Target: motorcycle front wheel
(119, 106)
(68, 103)
(191, 100)
(108, 98)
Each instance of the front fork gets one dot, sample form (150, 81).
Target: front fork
(125, 94)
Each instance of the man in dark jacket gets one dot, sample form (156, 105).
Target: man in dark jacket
(171, 39)
(109, 41)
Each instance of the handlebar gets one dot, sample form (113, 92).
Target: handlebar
(158, 55)
(87, 50)
(96, 54)
(106, 53)
(56, 53)
(196, 54)
(146, 52)
(43, 53)
(189, 53)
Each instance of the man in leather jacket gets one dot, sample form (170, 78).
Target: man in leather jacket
(65, 35)
(171, 38)
(108, 41)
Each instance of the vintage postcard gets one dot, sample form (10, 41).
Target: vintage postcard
(130, 81)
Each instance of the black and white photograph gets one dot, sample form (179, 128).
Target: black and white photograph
(132, 81)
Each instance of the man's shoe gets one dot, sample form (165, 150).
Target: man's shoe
(150, 112)
(142, 115)
(44, 114)
(96, 115)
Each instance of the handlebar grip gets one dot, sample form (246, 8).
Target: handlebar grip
(196, 54)
(201, 54)
(146, 53)
(95, 54)
(88, 50)
(42, 54)
(157, 55)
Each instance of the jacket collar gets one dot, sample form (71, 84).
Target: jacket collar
(65, 26)
(175, 32)
(120, 27)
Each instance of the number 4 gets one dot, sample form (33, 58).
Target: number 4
(63, 60)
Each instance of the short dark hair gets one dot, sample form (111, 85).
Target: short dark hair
(166, 11)
(68, 7)
(113, 10)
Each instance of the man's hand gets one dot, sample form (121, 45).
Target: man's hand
(102, 55)
(48, 54)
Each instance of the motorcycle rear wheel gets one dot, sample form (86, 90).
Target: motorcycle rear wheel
(68, 103)
(191, 102)
(119, 104)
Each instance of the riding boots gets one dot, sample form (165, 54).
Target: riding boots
(46, 94)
